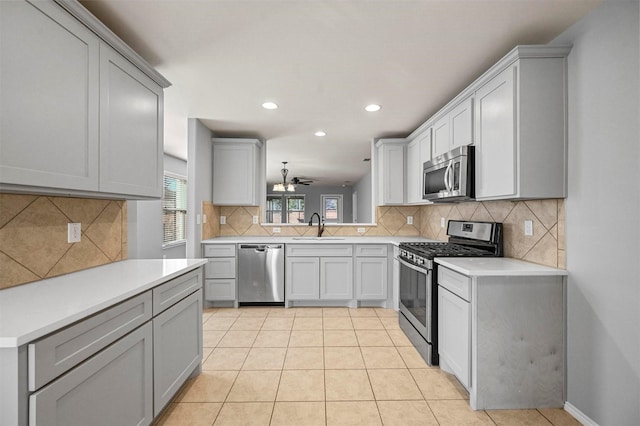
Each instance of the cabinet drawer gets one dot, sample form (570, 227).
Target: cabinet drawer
(223, 289)
(320, 250)
(115, 387)
(458, 284)
(220, 267)
(219, 250)
(53, 355)
(175, 290)
(379, 250)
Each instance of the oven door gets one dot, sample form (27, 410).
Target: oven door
(416, 297)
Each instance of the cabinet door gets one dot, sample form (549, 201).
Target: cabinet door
(302, 278)
(391, 173)
(49, 104)
(131, 127)
(336, 278)
(371, 278)
(495, 118)
(414, 172)
(177, 347)
(112, 388)
(441, 137)
(454, 334)
(234, 177)
(461, 119)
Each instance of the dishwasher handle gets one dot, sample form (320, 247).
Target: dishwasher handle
(259, 247)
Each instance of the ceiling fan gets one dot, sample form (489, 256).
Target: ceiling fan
(301, 181)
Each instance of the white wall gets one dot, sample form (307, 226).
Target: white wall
(199, 181)
(602, 215)
(365, 199)
(144, 223)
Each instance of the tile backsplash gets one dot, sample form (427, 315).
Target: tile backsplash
(33, 236)
(392, 221)
(545, 246)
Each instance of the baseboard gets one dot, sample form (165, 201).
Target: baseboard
(579, 415)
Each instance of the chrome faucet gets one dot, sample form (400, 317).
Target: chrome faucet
(320, 224)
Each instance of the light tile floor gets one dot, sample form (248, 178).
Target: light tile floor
(324, 366)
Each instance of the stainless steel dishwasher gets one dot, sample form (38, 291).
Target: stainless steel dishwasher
(261, 273)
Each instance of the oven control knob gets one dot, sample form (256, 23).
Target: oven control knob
(420, 261)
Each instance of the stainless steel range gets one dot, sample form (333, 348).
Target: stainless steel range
(419, 278)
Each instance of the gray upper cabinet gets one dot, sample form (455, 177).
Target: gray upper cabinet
(131, 117)
(49, 80)
(520, 122)
(390, 171)
(76, 116)
(237, 171)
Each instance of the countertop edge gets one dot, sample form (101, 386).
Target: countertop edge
(41, 331)
(527, 268)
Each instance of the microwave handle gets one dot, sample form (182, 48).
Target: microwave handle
(447, 177)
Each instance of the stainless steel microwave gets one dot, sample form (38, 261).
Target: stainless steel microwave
(450, 176)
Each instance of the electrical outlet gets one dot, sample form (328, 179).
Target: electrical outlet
(528, 228)
(409, 220)
(361, 230)
(276, 230)
(255, 220)
(223, 220)
(74, 232)
(204, 218)
(442, 222)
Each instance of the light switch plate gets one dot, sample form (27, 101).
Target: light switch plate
(198, 219)
(528, 228)
(223, 220)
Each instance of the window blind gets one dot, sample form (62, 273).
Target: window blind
(174, 209)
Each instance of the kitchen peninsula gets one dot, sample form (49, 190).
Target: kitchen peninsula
(116, 341)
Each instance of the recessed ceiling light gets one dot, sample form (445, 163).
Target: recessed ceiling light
(373, 107)
(320, 133)
(270, 105)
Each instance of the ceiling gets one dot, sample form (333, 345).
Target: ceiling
(322, 62)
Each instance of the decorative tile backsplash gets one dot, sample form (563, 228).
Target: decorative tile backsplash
(545, 247)
(239, 221)
(33, 236)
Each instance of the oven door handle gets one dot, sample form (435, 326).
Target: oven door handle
(414, 267)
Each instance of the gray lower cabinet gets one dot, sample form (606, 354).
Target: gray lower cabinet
(371, 276)
(120, 366)
(112, 388)
(177, 349)
(220, 272)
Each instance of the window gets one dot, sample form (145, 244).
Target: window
(332, 208)
(285, 208)
(174, 209)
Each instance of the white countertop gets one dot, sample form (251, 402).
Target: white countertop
(395, 240)
(30, 311)
(496, 266)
